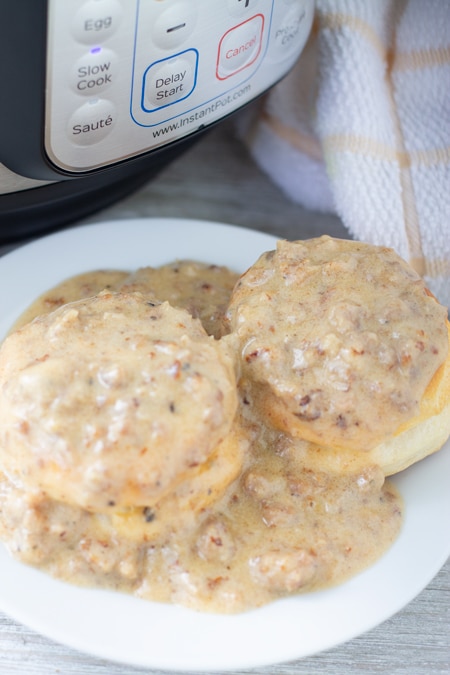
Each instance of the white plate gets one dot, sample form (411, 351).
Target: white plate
(128, 630)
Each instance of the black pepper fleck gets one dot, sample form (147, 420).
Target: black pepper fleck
(149, 515)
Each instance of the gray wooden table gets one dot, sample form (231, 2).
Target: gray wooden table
(217, 180)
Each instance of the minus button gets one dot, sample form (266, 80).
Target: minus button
(173, 25)
(174, 28)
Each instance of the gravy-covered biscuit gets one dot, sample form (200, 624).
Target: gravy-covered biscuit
(221, 471)
(340, 339)
(83, 285)
(111, 401)
(201, 288)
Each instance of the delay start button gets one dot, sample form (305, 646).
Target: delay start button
(91, 122)
(240, 47)
(169, 80)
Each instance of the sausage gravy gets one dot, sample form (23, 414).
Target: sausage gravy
(257, 517)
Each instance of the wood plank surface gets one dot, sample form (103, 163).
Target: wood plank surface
(217, 180)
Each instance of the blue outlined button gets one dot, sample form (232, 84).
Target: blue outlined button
(169, 81)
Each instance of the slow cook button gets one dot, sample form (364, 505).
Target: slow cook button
(170, 80)
(92, 122)
(94, 72)
(240, 47)
(96, 20)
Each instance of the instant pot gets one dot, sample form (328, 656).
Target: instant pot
(99, 95)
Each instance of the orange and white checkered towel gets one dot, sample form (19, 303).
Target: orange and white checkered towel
(361, 127)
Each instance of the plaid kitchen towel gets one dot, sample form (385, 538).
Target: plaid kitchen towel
(361, 127)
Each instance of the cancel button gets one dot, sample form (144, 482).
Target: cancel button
(169, 80)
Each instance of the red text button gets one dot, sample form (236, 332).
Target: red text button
(240, 47)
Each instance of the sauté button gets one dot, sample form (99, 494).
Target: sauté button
(240, 47)
(92, 122)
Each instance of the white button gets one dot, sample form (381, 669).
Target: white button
(96, 20)
(174, 25)
(171, 80)
(92, 122)
(240, 7)
(240, 47)
(94, 72)
(291, 32)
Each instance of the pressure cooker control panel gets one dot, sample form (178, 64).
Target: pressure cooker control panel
(127, 76)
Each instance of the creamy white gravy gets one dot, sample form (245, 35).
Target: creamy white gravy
(261, 519)
(340, 338)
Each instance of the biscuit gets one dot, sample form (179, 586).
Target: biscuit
(340, 343)
(202, 289)
(111, 401)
